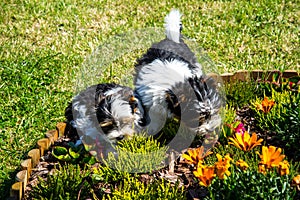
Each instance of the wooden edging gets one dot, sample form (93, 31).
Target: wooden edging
(22, 177)
(256, 75)
(18, 188)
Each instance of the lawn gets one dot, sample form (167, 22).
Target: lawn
(42, 43)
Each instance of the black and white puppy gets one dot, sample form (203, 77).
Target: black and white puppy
(171, 83)
(108, 111)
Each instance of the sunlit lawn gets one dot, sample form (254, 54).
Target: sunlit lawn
(43, 42)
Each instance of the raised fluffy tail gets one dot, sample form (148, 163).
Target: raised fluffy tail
(173, 25)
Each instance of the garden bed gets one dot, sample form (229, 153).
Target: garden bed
(260, 102)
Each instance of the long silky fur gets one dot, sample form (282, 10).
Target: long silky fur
(102, 103)
(168, 70)
(173, 25)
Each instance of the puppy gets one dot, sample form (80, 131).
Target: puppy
(171, 84)
(106, 111)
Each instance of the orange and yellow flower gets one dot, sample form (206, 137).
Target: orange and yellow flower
(222, 166)
(262, 168)
(241, 164)
(272, 157)
(205, 174)
(194, 156)
(283, 168)
(296, 182)
(244, 141)
(266, 105)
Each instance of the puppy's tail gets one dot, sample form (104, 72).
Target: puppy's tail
(173, 26)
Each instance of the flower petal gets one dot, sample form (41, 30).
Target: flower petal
(235, 143)
(240, 141)
(254, 142)
(265, 154)
(246, 137)
(219, 157)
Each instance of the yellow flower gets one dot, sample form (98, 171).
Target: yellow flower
(222, 166)
(266, 105)
(271, 157)
(196, 155)
(205, 174)
(296, 181)
(283, 168)
(244, 141)
(261, 168)
(242, 164)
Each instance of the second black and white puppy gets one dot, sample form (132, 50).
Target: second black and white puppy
(171, 84)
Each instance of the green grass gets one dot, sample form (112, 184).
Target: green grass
(42, 43)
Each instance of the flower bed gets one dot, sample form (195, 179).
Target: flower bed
(256, 156)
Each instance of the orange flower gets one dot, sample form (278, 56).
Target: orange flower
(222, 166)
(283, 168)
(196, 155)
(266, 105)
(242, 164)
(244, 141)
(205, 174)
(261, 168)
(271, 157)
(296, 181)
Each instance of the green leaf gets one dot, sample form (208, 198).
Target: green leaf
(61, 153)
(73, 153)
(90, 160)
(58, 151)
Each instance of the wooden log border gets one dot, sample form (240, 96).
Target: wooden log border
(258, 75)
(18, 188)
(22, 177)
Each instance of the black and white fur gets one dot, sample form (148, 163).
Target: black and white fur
(107, 109)
(171, 83)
